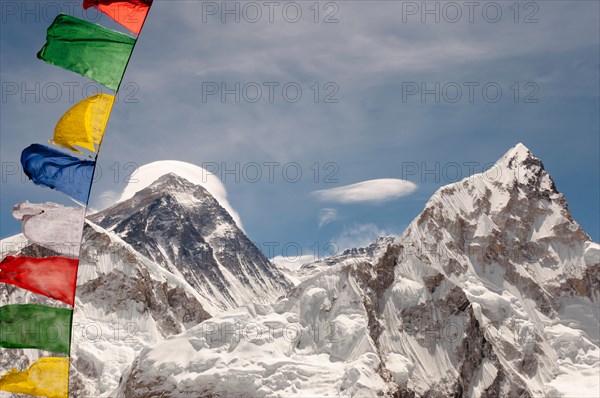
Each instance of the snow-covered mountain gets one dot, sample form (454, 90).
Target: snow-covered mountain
(169, 258)
(493, 290)
(124, 302)
(298, 271)
(183, 228)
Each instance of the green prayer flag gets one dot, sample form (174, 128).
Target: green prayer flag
(35, 326)
(88, 49)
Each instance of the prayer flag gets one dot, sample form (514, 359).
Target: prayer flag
(88, 49)
(57, 170)
(83, 125)
(48, 377)
(53, 277)
(51, 225)
(129, 13)
(35, 326)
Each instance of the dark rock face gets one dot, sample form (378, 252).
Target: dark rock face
(183, 228)
(375, 281)
(170, 305)
(588, 285)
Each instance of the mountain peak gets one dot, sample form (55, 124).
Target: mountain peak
(182, 174)
(516, 199)
(179, 225)
(171, 177)
(520, 165)
(519, 149)
(173, 181)
(173, 187)
(518, 174)
(516, 155)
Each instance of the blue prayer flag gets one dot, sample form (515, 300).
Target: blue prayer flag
(57, 170)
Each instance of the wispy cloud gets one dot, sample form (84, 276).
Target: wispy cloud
(104, 200)
(360, 235)
(371, 191)
(326, 216)
(145, 175)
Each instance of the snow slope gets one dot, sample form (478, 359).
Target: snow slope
(124, 302)
(169, 257)
(493, 290)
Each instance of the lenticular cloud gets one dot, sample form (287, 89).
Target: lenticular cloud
(373, 191)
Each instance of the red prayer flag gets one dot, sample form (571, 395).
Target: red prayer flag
(129, 13)
(53, 277)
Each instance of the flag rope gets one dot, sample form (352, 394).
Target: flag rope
(90, 188)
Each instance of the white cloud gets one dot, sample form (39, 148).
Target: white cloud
(103, 200)
(360, 235)
(374, 191)
(326, 216)
(146, 174)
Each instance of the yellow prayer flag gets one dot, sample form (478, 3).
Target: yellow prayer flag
(83, 125)
(47, 377)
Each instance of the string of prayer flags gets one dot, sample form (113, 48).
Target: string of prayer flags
(54, 169)
(102, 55)
(87, 49)
(35, 326)
(48, 377)
(129, 13)
(53, 226)
(53, 277)
(83, 125)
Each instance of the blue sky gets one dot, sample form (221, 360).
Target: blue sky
(367, 121)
